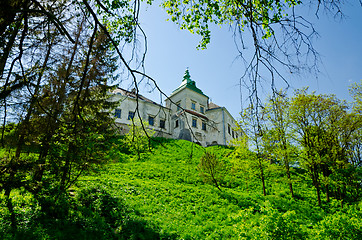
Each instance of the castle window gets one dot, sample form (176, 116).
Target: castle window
(194, 122)
(233, 134)
(117, 113)
(151, 120)
(202, 109)
(162, 123)
(176, 124)
(204, 126)
(193, 105)
(229, 129)
(130, 115)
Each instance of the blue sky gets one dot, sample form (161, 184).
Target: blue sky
(217, 71)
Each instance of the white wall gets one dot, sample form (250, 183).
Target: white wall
(186, 96)
(146, 109)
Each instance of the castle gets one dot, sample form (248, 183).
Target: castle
(188, 115)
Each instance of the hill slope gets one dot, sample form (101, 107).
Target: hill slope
(165, 192)
(160, 194)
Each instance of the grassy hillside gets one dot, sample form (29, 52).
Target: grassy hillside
(162, 196)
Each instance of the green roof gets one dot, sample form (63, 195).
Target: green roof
(188, 83)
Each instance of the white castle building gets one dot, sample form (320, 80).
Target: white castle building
(188, 115)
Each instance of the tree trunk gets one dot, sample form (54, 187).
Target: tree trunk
(8, 48)
(289, 180)
(315, 179)
(318, 196)
(264, 192)
(327, 192)
(4, 123)
(262, 179)
(65, 179)
(216, 184)
(286, 162)
(10, 206)
(291, 188)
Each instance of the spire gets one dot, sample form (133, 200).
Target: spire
(187, 76)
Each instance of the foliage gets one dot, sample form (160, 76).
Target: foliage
(211, 169)
(56, 64)
(54, 86)
(270, 224)
(244, 162)
(163, 197)
(324, 129)
(274, 39)
(278, 137)
(356, 92)
(251, 147)
(341, 225)
(137, 140)
(196, 16)
(316, 133)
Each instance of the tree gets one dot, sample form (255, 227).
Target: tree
(356, 92)
(58, 106)
(354, 145)
(137, 140)
(308, 113)
(278, 138)
(324, 129)
(211, 169)
(344, 177)
(243, 161)
(53, 88)
(250, 147)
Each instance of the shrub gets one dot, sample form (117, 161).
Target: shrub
(268, 224)
(96, 202)
(341, 225)
(211, 169)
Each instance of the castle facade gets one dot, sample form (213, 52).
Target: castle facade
(188, 114)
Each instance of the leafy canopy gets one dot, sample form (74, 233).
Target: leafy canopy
(196, 16)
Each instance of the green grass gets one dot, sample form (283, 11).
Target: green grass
(162, 196)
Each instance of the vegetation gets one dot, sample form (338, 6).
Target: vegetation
(163, 195)
(294, 174)
(65, 174)
(211, 169)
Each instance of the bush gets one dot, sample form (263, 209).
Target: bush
(211, 169)
(98, 204)
(341, 225)
(268, 224)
